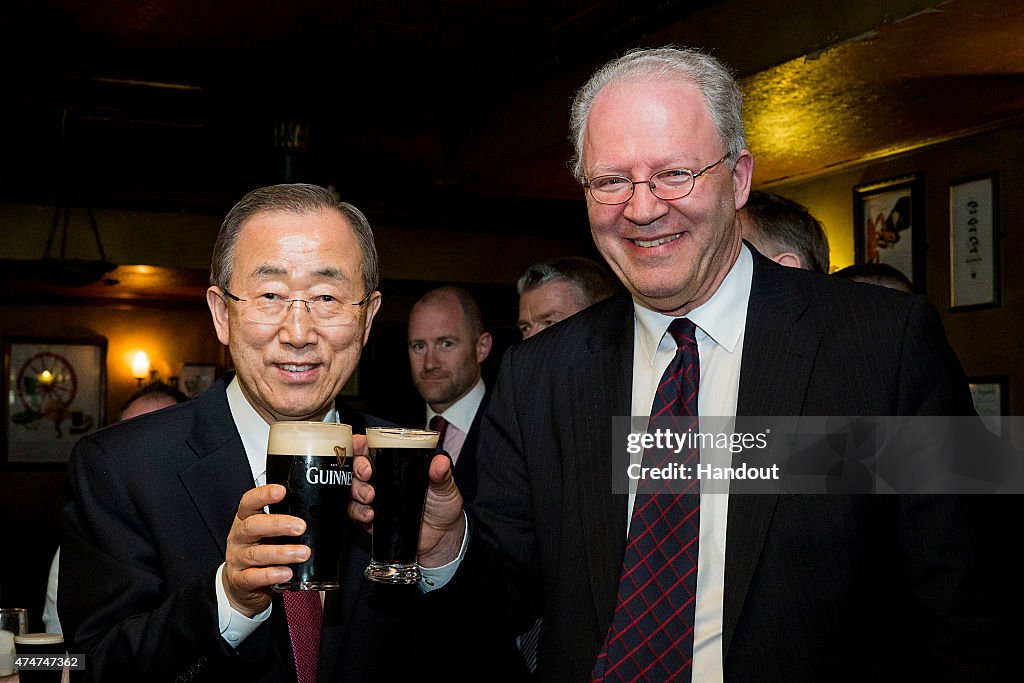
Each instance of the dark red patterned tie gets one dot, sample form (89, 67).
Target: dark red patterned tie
(651, 634)
(440, 425)
(304, 613)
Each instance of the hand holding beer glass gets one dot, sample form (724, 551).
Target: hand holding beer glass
(401, 463)
(313, 461)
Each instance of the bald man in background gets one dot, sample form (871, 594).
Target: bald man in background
(447, 344)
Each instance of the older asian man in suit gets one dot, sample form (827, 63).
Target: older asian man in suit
(680, 586)
(169, 577)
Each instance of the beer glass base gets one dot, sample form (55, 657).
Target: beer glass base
(306, 586)
(396, 573)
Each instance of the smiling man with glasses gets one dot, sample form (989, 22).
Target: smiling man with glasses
(166, 529)
(674, 583)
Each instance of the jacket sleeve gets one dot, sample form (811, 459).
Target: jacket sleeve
(954, 553)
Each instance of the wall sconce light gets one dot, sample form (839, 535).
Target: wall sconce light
(140, 367)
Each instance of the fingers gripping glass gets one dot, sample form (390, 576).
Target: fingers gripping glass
(673, 183)
(273, 309)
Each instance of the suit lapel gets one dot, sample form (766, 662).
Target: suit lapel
(221, 472)
(778, 354)
(465, 471)
(601, 387)
(216, 482)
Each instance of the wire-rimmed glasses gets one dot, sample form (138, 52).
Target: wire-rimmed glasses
(672, 183)
(272, 309)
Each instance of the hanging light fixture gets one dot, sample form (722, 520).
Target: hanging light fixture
(61, 270)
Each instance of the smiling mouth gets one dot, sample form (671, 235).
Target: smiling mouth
(657, 242)
(289, 367)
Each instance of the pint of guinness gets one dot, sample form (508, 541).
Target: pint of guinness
(313, 461)
(401, 465)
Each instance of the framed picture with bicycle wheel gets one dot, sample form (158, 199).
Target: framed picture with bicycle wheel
(55, 391)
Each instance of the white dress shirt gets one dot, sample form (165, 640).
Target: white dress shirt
(720, 325)
(459, 415)
(255, 433)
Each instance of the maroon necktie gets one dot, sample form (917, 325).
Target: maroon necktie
(651, 634)
(304, 613)
(440, 425)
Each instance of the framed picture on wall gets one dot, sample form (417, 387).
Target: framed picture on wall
(974, 243)
(195, 378)
(55, 392)
(890, 228)
(991, 398)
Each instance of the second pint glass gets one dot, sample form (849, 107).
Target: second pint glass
(313, 461)
(401, 466)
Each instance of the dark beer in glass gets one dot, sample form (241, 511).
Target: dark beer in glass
(401, 463)
(313, 461)
(43, 657)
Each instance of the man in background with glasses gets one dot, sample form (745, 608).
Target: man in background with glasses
(679, 584)
(169, 577)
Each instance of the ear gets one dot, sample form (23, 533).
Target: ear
(788, 259)
(742, 174)
(219, 313)
(483, 347)
(372, 306)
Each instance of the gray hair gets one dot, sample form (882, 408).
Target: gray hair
(779, 224)
(714, 80)
(296, 198)
(592, 280)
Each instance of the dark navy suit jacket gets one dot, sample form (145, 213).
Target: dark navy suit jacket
(152, 500)
(816, 587)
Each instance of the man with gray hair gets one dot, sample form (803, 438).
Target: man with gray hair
(784, 231)
(169, 555)
(553, 290)
(669, 582)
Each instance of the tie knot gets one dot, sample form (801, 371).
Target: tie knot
(683, 331)
(437, 423)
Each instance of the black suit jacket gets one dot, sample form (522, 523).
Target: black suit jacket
(816, 587)
(465, 471)
(479, 647)
(152, 503)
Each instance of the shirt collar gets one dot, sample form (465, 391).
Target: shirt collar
(722, 317)
(254, 430)
(462, 412)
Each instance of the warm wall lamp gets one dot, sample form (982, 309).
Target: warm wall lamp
(140, 367)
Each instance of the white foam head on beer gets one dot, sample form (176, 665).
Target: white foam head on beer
(393, 437)
(309, 438)
(39, 639)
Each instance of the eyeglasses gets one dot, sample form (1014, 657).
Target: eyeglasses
(673, 183)
(272, 309)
